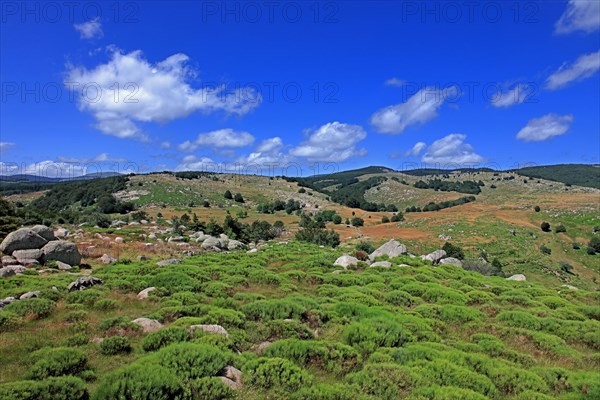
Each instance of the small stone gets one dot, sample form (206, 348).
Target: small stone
(218, 329)
(29, 295)
(517, 277)
(148, 325)
(144, 294)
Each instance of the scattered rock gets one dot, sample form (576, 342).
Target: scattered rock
(84, 282)
(5, 272)
(144, 294)
(263, 345)
(570, 287)
(141, 258)
(233, 373)
(452, 261)
(8, 260)
(211, 243)
(22, 239)
(45, 232)
(61, 233)
(63, 266)
(434, 257)
(224, 240)
(517, 277)
(148, 325)
(235, 244)
(29, 295)
(232, 385)
(345, 261)
(119, 240)
(118, 223)
(171, 261)
(61, 250)
(385, 264)
(6, 301)
(392, 249)
(176, 239)
(106, 259)
(211, 329)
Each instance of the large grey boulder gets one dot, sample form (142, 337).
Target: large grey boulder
(170, 261)
(62, 250)
(232, 377)
(29, 295)
(434, 257)
(25, 256)
(385, 264)
(106, 259)
(22, 239)
(6, 272)
(44, 231)
(230, 383)
(211, 243)
(224, 240)
(451, 261)
(392, 249)
(218, 329)
(517, 277)
(235, 245)
(8, 260)
(61, 233)
(144, 294)
(148, 325)
(345, 261)
(84, 282)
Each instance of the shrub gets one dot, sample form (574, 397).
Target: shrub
(367, 247)
(276, 373)
(139, 381)
(397, 217)
(228, 195)
(32, 308)
(191, 361)
(453, 251)
(118, 326)
(87, 297)
(512, 380)
(238, 198)
(545, 226)
(8, 320)
(537, 208)
(545, 249)
(173, 282)
(329, 356)
(49, 362)
(370, 334)
(594, 244)
(61, 388)
(336, 219)
(273, 309)
(560, 228)
(399, 298)
(210, 389)
(384, 381)
(449, 393)
(446, 373)
(76, 316)
(323, 391)
(106, 304)
(385, 219)
(115, 345)
(357, 221)
(164, 337)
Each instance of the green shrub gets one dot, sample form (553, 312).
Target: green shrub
(115, 345)
(139, 381)
(519, 319)
(399, 298)
(512, 380)
(370, 334)
(106, 304)
(76, 316)
(8, 320)
(545, 226)
(79, 339)
(367, 247)
(210, 389)
(191, 361)
(357, 221)
(61, 388)
(273, 309)
(384, 381)
(30, 308)
(58, 361)
(449, 393)
(330, 391)
(453, 250)
(118, 326)
(172, 282)
(327, 355)
(164, 337)
(276, 373)
(446, 373)
(87, 297)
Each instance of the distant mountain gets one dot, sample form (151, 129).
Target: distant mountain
(438, 171)
(570, 174)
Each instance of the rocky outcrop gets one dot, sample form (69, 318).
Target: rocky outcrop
(106, 259)
(218, 329)
(45, 232)
(517, 277)
(22, 239)
(392, 249)
(84, 282)
(148, 325)
(62, 250)
(434, 257)
(171, 261)
(25, 256)
(385, 264)
(452, 261)
(144, 294)
(346, 261)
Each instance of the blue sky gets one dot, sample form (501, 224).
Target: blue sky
(146, 86)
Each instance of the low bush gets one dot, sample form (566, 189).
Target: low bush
(115, 345)
(327, 392)
(58, 361)
(210, 389)
(368, 335)
(164, 337)
(61, 388)
(30, 308)
(191, 361)
(326, 355)
(276, 373)
(384, 381)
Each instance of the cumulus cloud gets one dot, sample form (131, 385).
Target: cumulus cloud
(394, 82)
(6, 145)
(129, 90)
(47, 169)
(543, 128)
(580, 15)
(332, 142)
(416, 150)
(451, 149)
(219, 139)
(268, 152)
(584, 67)
(418, 109)
(517, 95)
(195, 163)
(102, 157)
(90, 30)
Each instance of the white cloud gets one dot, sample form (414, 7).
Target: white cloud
(419, 108)
(584, 67)
(219, 139)
(129, 90)
(416, 150)
(517, 95)
(194, 163)
(6, 145)
(269, 151)
(165, 145)
(102, 157)
(332, 142)
(90, 30)
(47, 168)
(451, 149)
(580, 15)
(543, 128)
(394, 82)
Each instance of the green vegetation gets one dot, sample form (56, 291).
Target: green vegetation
(572, 174)
(372, 333)
(440, 206)
(469, 187)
